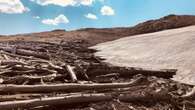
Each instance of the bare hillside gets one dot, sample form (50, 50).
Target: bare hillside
(94, 36)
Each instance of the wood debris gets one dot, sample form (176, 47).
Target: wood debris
(48, 76)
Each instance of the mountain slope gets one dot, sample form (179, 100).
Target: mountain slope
(95, 36)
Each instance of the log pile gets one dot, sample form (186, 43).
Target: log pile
(66, 76)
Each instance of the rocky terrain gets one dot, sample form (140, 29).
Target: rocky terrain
(58, 71)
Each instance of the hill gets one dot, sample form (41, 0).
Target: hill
(94, 36)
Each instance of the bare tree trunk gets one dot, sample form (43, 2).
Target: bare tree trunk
(74, 99)
(97, 70)
(71, 73)
(20, 56)
(190, 95)
(23, 78)
(25, 52)
(4, 98)
(64, 87)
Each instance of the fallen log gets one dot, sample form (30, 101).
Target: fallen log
(97, 70)
(60, 69)
(22, 68)
(112, 75)
(75, 99)
(50, 64)
(41, 71)
(15, 97)
(68, 87)
(25, 52)
(4, 98)
(31, 79)
(151, 97)
(34, 48)
(19, 56)
(147, 97)
(5, 57)
(71, 73)
(190, 95)
(11, 62)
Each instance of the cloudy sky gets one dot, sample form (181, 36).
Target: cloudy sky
(25, 16)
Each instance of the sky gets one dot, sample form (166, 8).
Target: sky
(27, 16)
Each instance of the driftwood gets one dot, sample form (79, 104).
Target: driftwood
(75, 99)
(71, 73)
(30, 48)
(20, 56)
(41, 71)
(22, 67)
(50, 64)
(97, 70)
(86, 98)
(4, 98)
(23, 78)
(15, 97)
(150, 97)
(25, 52)
(5, 57)
(32, 75)
(11, 62)
(112, 75)
(189, 95)
(64, 87)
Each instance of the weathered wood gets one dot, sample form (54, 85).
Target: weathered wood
(97, 70)
(11, 62)
(25, 52)
(33, 79)
(71, 73)
(190, 95)
(34, 71)
(22, 67)
(64, 87)
(50, 64)
(20, 56)
(75, 99)
(4, 98)
(5, 57)
(146, 98)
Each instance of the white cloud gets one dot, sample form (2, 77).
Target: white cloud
(91, 16)
(36, 17)
(12, 7)
(58, 20)
(107, 11)
(86, 2)
(64, 3)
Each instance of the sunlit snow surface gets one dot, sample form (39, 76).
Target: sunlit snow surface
(170, 49)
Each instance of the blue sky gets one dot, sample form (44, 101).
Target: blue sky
(26, 16)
